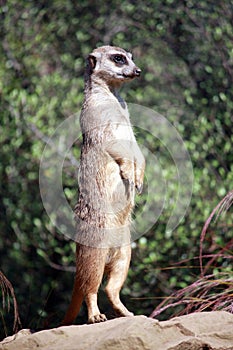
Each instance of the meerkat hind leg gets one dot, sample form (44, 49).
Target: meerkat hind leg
(95, 259)
(94, 315)
(116, 277)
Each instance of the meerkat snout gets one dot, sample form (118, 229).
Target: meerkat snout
(131, 72)
(137, 72)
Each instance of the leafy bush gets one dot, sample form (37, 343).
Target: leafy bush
(185, 52)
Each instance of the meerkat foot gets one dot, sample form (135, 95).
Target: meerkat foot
(97, 318)
(123, 312)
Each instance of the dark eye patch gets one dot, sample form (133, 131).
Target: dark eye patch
(119, 59)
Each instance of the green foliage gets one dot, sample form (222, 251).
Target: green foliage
(185, 50)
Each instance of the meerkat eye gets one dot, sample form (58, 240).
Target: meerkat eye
(120, 59)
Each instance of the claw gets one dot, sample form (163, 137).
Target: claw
(97, 318)
(139, 188)
(131, 184)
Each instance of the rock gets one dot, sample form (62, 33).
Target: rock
(197, 331)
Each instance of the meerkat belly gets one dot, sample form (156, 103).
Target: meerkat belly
(113, 190)
(122, 132)
(102, 191)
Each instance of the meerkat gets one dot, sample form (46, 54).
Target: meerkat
(111, 169)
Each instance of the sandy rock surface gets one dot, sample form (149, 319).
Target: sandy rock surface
(198, 331)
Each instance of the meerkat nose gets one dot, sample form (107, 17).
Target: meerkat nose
(137, 71)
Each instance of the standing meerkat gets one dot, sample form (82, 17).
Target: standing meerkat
(111, 168)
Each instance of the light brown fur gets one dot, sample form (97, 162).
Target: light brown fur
(111, 167)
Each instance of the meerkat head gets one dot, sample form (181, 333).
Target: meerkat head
(112, 64)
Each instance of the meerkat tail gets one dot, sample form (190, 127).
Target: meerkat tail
(74, 307)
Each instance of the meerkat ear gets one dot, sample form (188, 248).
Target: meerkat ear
(92, 60)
